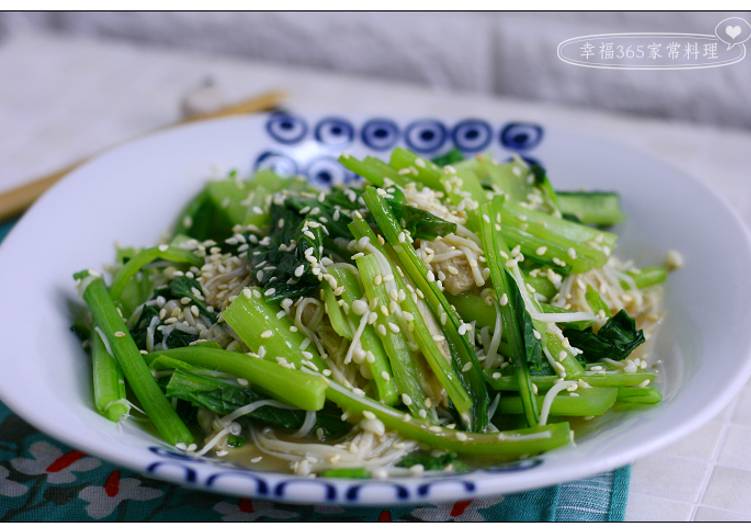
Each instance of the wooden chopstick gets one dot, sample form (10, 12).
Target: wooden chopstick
(16, 200)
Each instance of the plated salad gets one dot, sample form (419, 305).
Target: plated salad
(431, 316)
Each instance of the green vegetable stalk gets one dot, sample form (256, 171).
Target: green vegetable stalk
(137, 374)
(109, 386)
(464, 358)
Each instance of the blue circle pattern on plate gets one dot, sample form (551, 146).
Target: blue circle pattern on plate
(334, 131)
(179, 466)
(380, 134)
(425, 136)
(286, 128)
(326, 171)
(472, 135)
(521, 136)
(276, 161)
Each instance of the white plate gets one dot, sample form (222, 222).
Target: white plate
(133, 193)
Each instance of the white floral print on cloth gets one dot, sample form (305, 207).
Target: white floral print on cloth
(10, 488)
(250, 510)
(457, 511)
(59, 467)
(102, 500)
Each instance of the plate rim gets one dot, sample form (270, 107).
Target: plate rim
(486, 485)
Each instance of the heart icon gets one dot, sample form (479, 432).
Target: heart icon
(733, 31)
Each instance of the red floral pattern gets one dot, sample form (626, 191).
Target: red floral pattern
(467, 510)
(103, 500)
(250, 510)
(59, 467)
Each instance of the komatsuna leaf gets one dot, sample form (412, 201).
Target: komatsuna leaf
(222, 398)
(176, 337)
(616, 339)
(420, 223)
(452, 156)
(533, 353)
(183, 286)
(433, 461)
(304, 226)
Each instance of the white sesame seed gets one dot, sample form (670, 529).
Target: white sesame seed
(674, 260)
(359, 307)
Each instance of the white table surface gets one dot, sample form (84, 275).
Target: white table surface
(64, 99)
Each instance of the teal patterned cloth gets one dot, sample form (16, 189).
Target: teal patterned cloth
(44, 480)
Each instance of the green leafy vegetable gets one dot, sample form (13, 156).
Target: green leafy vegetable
(346, 472)
(222, 398)
(462, 353)
(637, 398)
(181, 287)
(235, 441)
(546, 187)
(536, 361)
(304, 227)
(512, 310)
(137, 375)
(616, 339)
(450, 157)
(284, 254)
(420, 224)
(140, 331)
(433, 461)
(595, 208)
(224, 203)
